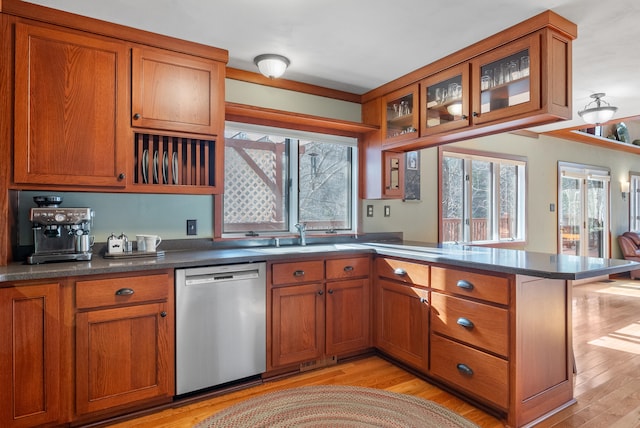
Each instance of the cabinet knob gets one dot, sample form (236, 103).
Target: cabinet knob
(464, 369)
(423, 300)
(320, 292)
(465, 117)
(475, 114)
(121, 176)
(124, 292)
(163, 314)
(330, 291)
(466, 323)
(298, 273)
(136, 116)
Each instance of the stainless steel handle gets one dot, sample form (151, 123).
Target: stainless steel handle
(124, 292)
(400, 272)
(466, 323)
(465, 285)
(298, 273)
(464, 369)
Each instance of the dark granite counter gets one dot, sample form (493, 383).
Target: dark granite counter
(543, 265)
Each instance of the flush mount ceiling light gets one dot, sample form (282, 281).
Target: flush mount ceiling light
(272, 65)
(600, 113)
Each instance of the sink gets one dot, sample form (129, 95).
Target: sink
(295, 249)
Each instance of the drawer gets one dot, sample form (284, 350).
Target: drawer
(468, 284)
(297, 272)
(400, 270)
(475, 323)
(119, 291)
(347, 268)
(475, 372)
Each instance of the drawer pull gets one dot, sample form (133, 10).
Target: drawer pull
(298, 273)
(348, 268)
(124, 292)
(465, 284)
(400, 272)
(465, 369)
(466, 323)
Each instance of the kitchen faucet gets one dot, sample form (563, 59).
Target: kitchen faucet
(302, 228)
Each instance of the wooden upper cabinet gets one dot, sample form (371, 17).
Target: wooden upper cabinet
(70, 93)
(176, 92)
(445, 101)
(400, 115)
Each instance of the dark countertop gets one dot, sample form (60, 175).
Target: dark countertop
(543, 265)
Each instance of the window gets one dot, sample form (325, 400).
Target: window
(275, 178)
(483, 197)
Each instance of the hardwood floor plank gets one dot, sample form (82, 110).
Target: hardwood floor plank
(606, 333)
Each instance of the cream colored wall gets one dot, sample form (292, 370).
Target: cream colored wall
(418, 220)
(282, 99)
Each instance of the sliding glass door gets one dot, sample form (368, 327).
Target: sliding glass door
(583, 211)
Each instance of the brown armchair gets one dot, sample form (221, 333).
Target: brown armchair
(630, 247)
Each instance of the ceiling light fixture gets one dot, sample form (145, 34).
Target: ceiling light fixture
(598, 114)
(272, 65)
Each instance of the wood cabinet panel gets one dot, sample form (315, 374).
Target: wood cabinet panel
(348, 268)
(404, 271)
(474, 323)
(470, 284)
(177, 92)
(297, 330)
(347, 316)
(482, 375)
(119, 291)
(123, 355)
(297, 272)
(70, 98)
(402, 322)
(30, 361)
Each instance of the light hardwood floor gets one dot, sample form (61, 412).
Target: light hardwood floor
(606, 333)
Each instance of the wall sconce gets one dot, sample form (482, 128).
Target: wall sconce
(598, 114)
(624, 188)
(272, 65)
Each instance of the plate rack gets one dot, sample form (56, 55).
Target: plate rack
(166, 160)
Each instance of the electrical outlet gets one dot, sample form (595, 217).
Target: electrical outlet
(387, 210)
(369, 210)
(192, 227)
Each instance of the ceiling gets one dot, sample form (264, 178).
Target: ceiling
(356, 46)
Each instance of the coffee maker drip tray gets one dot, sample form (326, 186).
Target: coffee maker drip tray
(38, 258)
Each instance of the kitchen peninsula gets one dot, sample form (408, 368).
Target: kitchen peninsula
(495, 325)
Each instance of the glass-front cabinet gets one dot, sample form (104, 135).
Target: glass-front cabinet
(507, 81)
(445, 101)
(400, 115)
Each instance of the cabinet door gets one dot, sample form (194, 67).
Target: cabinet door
(30, 363)
(400, 115)
(176, 92)
(297, 324)
(445, 101)
(347, 314)
(123, 355)
(507, 81)
(70, 95)
(402, 323)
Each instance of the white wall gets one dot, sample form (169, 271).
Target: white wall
(419, 220)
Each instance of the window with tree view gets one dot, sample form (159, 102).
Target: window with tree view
(275, 178)
(482, 197)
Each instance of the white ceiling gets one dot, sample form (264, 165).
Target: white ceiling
(358, 45)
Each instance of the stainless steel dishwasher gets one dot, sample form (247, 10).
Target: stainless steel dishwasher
(220, 325)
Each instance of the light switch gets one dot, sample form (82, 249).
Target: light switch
(387, 211)
(369, 210)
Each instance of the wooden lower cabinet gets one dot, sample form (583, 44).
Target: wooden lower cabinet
(316, 315)
(402, 323)
(31, 324)
(124, 341)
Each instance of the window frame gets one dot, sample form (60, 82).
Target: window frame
(468, 155)
(292, 152)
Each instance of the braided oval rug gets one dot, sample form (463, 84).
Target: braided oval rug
(335, 406)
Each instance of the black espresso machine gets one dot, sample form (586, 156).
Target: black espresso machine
(60, 234)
